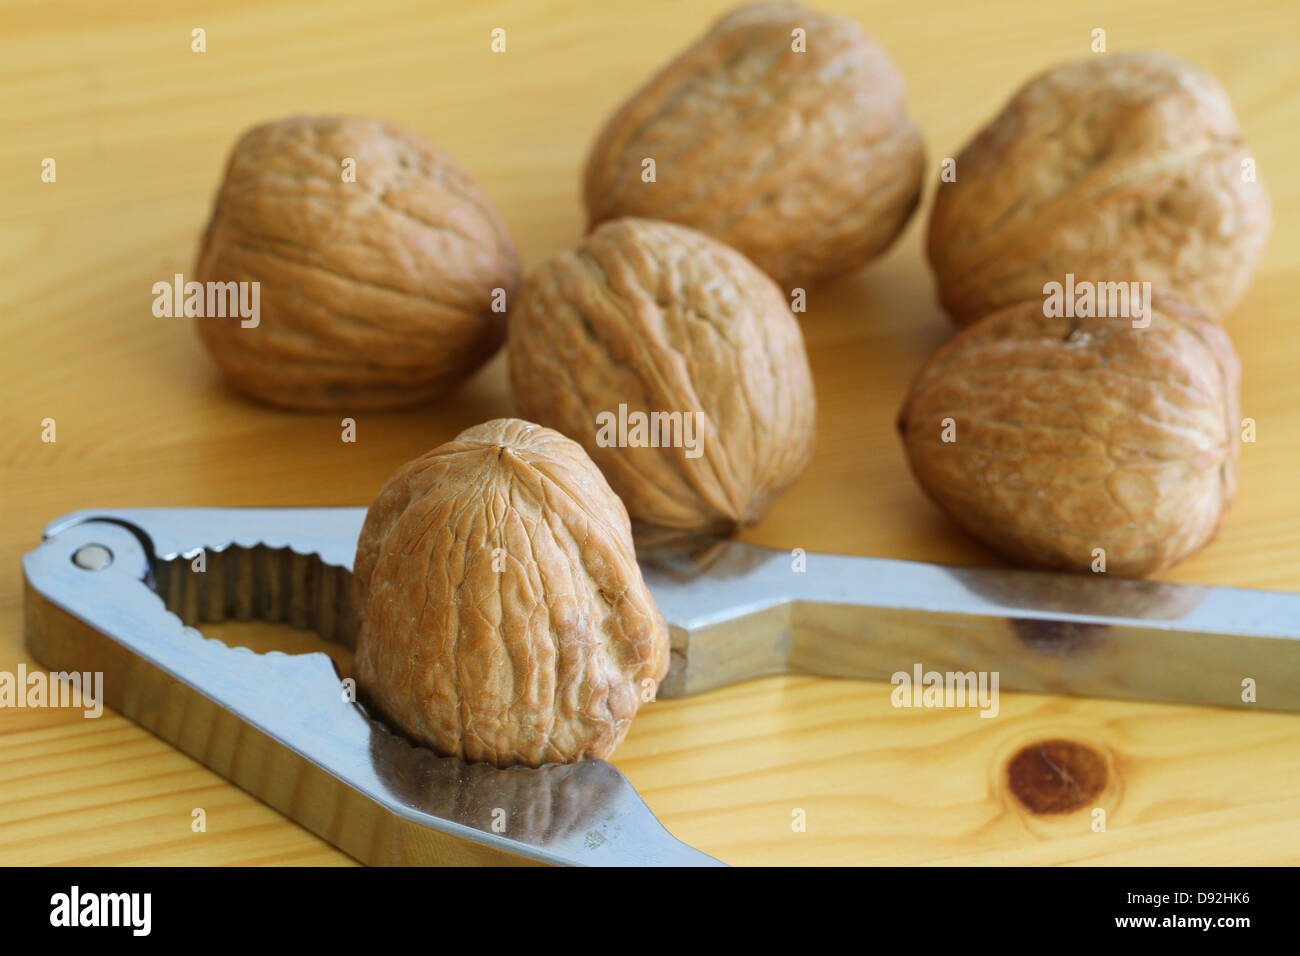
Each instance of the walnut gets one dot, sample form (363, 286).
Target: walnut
(676, 363)
(1048, 438)
(502, 615)
(794, 148)
(374, 293)
(1124, 167)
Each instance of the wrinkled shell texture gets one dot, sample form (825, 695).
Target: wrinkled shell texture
(805, 162)
(1122, 167)
(1075, 434)
(374, 293)
(540, 662)
(665, 319)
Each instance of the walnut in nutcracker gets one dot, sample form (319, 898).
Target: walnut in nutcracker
(1050, 438)
(782, 131)
(1119, 168)
(678, 366)
(502, 615)
(383, 269)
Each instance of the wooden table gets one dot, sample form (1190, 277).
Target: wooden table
(140, 126)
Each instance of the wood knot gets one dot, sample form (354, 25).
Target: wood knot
(1056, 776)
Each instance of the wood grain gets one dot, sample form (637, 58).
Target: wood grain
(140, 126)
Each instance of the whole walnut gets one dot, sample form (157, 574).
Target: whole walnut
(501, 613)
(1123, 167)
(376, 289)
(782, 131)
(677, 365)
(1048, 438)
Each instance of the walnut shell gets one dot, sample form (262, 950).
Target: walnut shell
(1075, 434)
(502, 615)
(650, 318)
(373, 294)
(806, 162)
(1123, 167)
